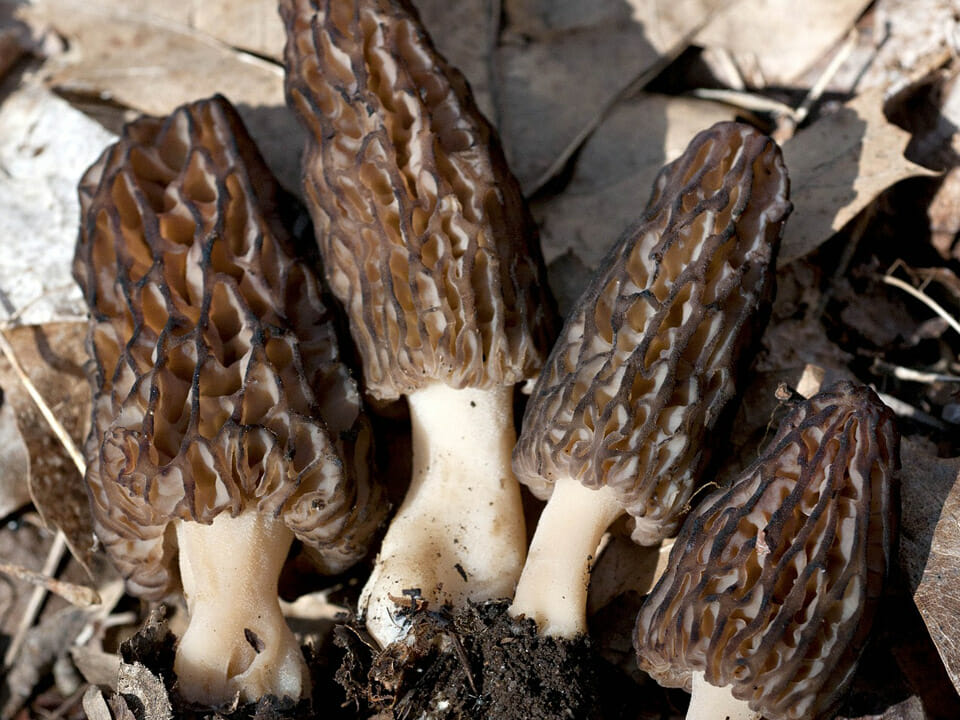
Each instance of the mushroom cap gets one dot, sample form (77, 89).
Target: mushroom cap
(217, 384)
(648, 357)
(424, 232)
(773, 582)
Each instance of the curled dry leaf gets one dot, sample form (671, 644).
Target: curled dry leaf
(838, 165)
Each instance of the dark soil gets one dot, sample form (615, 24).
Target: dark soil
(481, 663)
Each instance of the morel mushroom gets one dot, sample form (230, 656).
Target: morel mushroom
(645, 364)
(221, 410)
(428, 244)
(773, 582)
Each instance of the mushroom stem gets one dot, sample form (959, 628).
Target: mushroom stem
(459, 534)
(237, 640)
(553, 587)
(709, 702)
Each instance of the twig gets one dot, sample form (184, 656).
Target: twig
(911, 375)
(50, 565)
(924, 298)
(79, 595)
(745, 101)
(816, 92)
(907, 410)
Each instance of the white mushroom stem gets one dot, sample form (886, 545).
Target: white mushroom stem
(459, 534)
(709, 702)
(553, 587)
(237, 640)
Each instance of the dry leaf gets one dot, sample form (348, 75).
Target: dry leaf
(251, 25)
(14, 462)
(53, 356)
(560, 66)
(837, 166)
(45, 145)
(96, 666)
(465, 33)
(154, 67)
(614, 173)
(783, 36)
(94, 705)
(911, 37)
(930, 536)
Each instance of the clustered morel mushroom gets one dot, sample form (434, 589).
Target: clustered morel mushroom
(647, 360)
(773, 582)
(224, 424)
(427, 242)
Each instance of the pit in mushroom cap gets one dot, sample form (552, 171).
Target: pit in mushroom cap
(646, 362)
(221, 410)
(773, 582)
(428, 244)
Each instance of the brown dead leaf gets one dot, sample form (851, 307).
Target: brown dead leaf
(14, 462)
(561, 65)
(837, 166)
(767, 31)
(930, 536)
(154, 66)
(465, 33)
(53, 356)
(614, 173)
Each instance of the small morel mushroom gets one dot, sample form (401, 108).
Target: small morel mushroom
(645, 364)
(224, 424)
(773, 582)
(428, 243)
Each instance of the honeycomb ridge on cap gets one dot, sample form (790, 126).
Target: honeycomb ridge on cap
(648, 358)
(424, 231)
(217, 383)
(773, 582)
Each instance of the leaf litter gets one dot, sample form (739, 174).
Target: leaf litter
(590, 99)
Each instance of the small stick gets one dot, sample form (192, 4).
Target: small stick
(904, 409)
(79, 595)
(924, 298)
(911, 375)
